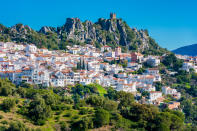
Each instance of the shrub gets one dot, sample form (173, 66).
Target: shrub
(58, 107)
(68, 114)
(83, 111)
(75, 117)
(57, 118)
(17, 126)
(3, 128)
(17, 101)
(1, 116)
(58, 112)
(40, 122)
(64, 126)
(67, 107)
(6, 87)
(4, 122)
(101, 117)
(8, 104)
(38, 111)
(82, 125)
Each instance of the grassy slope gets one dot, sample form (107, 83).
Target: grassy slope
(50, 125)
(101, 90)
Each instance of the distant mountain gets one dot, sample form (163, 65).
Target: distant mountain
(190, 50)
(113, 32)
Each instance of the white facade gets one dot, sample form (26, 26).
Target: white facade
(152, 61)
(154, 95)
(31, 48)
(126, 87)
(105, 48)
(187, 66)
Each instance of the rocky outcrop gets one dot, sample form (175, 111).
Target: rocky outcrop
(46, 29)
(90, 31)
(74, 29)
(20, 29)
(2, 28)
(105, 31)
(123, 33)
(111, 31)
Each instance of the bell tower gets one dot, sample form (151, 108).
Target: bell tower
(118, 51)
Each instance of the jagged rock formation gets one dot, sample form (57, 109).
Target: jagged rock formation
(46, 29)
(20, 29)
(114, 32)
(105, 31)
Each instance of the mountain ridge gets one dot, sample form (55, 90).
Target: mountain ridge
(190, 50)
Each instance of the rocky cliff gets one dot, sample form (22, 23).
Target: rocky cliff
(105, 31)
(113, 32)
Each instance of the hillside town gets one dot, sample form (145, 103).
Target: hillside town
(189, 62)
(25, 63)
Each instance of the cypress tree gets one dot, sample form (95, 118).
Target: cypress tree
(83, 66)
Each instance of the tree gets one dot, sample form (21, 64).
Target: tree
(130, 34)
(6, 90)
(158, 86)
(101, 117)
(64, 126)
(145, 93)
(163, 121)
(111, 93)
(125, 98)
(51, 99)
(194, 76)
(143, 115)
(139, 112)
(39, 111)
(6, 87)
(67, 99)
(177, 122)
(141, 71)
(190, 111)
(83, 65)
(78, 66)
(63, 45)
(97, 89)
(87, 67)
(84, 124)
(172, 62)
(110, 105)
(124, 63)
(96, 101)
(8, 104)
(17, 126)
(21, 91)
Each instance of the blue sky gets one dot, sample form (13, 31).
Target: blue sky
(172, 23)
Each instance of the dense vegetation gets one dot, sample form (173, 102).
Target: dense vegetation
(184, 82)
(80, 108)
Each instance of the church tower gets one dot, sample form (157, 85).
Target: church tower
(118, 51)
